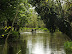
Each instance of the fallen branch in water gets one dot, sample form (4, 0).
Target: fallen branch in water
(18, 52)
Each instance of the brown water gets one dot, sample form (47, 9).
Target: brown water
(35, 43)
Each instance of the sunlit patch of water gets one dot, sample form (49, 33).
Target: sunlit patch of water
(31, 32)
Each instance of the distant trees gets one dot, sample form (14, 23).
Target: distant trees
(34, 21)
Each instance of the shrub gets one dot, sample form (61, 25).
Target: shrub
(14, 33)
(68, 47)
(45, 29)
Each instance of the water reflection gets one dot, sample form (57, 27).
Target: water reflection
(38, 43)
(56, 45)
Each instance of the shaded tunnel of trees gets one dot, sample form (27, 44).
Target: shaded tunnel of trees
(55, 15)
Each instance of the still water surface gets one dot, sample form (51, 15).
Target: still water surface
(35, 43)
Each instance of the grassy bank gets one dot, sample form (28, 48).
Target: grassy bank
(29, 29)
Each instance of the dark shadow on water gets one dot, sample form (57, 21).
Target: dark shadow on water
(14, 46)
(23, 47)
(52, 45)
(10, 48)
(57, 43)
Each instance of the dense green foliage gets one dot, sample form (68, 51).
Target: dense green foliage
(30, 13)
(54, 14)
(68, 47)
(10, 15)
(16, 14)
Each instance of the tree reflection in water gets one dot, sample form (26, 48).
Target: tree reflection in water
(39, 43)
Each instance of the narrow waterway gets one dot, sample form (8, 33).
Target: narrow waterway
(35, 43)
